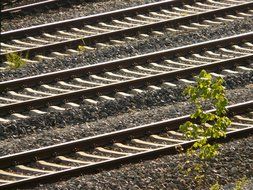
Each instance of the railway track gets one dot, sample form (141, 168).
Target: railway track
(58, 91)
(111, 150)
(15, 10)
(22, 98)
(62, 38)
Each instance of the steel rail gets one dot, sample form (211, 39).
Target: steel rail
(91, 19)
(140, 82)
(133, 31)
(110, 138)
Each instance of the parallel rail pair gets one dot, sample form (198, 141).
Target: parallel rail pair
(62, 38)
(93, 154)
(90, 82)
(10, 12)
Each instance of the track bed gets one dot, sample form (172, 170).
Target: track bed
(99, 100)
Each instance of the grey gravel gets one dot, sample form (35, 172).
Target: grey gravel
(18, 3)
(151, 44)
(247, 184)
(63, 13)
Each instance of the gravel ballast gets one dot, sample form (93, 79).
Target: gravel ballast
(28, 2)
(19, 3)
(142, 46)
(84, 8)
(234, 162)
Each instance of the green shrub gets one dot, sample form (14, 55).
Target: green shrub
(210, 125)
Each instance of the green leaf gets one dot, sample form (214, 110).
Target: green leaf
(206, 90)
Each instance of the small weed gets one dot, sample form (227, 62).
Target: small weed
(216, 186)
(238, 185)
(15, 61)
(81, 47)
(241, 183)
